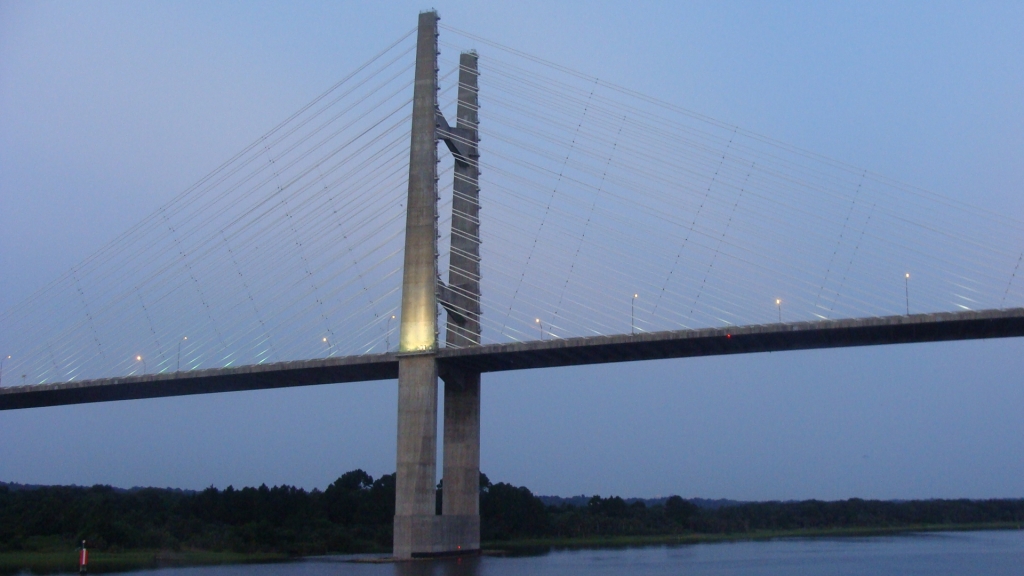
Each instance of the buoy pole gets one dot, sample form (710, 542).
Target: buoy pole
(83, 559)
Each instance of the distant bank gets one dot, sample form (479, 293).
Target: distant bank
(39, 525)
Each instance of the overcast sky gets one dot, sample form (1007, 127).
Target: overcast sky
(109, 109)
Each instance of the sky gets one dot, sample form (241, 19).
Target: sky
(109, 109)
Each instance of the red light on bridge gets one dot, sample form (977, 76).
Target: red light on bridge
(728, 335)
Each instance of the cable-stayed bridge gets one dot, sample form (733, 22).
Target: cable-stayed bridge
(555, 219)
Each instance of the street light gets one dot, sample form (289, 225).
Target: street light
(387, 335)
(540, 327)
(140, 359)
(906, 287)
(330, 347)
(177, 368)
(632, 316)
(778, 302)
(2, 367)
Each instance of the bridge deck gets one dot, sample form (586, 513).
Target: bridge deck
(537, 354)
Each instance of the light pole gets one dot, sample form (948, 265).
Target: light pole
(540, 327)
(906, 288)
(387, 335)
(177, 367)
(8, 357)
(330, 347)
(778, 302)
(632, 315)
(140, 359)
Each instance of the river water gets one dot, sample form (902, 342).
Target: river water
(993, 553)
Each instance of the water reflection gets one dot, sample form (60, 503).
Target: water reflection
(460, 566)
(936, 554)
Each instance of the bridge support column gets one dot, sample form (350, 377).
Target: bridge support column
(460, 507)
(417, 528)
(416, 522)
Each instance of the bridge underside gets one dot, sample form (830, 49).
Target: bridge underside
(916, 328)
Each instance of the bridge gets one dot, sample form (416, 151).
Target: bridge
(326, 250)
(939, 327)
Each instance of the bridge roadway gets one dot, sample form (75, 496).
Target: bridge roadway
(779, 337)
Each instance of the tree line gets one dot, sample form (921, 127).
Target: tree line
(355, 514)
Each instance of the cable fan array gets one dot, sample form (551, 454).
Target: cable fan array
(292, 249)
(606, 212)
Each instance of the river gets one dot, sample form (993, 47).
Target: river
(994, 553)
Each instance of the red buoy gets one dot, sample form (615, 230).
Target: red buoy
(83, 559)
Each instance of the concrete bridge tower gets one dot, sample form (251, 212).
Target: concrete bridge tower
(418, 530)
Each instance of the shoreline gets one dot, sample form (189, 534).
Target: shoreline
(49, 562)
(65, 561)
(516, 546)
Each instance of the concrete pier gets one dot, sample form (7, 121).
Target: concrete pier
(419, 531)
(460, 507)
(415, 518)
(417, 528)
